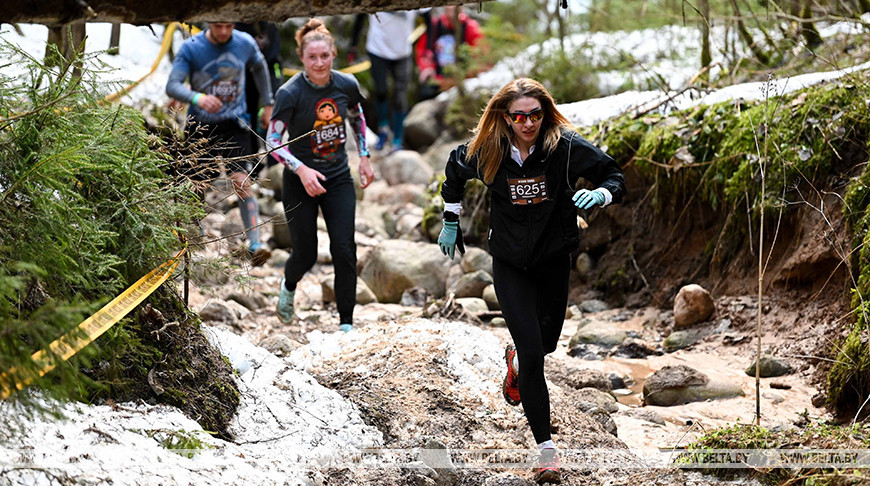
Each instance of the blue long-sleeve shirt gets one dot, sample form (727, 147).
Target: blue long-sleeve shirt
(218, 70)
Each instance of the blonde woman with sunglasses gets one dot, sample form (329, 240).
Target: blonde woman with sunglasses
(528, 155)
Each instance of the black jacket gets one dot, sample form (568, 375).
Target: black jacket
(526, 234)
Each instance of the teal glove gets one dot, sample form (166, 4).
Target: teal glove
(450, 238)
(585, 199)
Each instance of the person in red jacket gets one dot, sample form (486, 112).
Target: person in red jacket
(436, 49)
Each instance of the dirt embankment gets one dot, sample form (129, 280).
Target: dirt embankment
(643, 256)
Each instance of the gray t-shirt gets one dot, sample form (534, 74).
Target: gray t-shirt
(303, 106)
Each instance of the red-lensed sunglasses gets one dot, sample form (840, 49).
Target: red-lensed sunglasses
(520, 116)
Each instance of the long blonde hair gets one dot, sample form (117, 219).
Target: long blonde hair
(314, 30)
(492, 135)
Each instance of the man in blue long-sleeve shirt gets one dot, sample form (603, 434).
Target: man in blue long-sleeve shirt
(215, 62)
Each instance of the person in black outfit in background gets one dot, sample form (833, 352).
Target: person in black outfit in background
(529, 157)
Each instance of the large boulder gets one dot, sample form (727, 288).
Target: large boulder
(472, 305)
(437, 154)
(770, 367)
(280, 232)
(476, 259)
(423, 123)
(453, 275)
(406, 167)
(676, 385)
(382, 193)
(597, 332)
(585, 378)
(682, 339)
(396, 265)
(587, 399)
(490, 298)
(364, 294)
(471, 284)
(692, 305)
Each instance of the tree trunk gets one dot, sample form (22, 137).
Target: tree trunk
(808, 29)
(69, 40)
(747, 37)
(706, 57)
(560, 23)
(115, 39)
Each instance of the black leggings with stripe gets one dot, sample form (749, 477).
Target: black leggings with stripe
(533, 303)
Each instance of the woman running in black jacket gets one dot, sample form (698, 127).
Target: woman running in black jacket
(529, 157)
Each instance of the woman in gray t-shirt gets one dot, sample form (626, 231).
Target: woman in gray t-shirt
(312, 106)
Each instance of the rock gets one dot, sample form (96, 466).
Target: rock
(384, 194)
(675, 385)
(231, 226)
(414, 297)
(682, 339)
(819, 400)
(770, 367)
(616, 382)
(634, 348)
(436, 456)
(471, 284)
(279, 258)
(490, 298)
(249, 301)
(453, 276)
(389, 220)
(590, 398)
(589, 379)
(476, 259)
(597, 332)
(409, 226)
(241, 312)
(506, 479)
(370, 218)
(573, 312)
(588, 352)
(593, 306)
(207, 274)
(422, 125)
(280, 232)
(603, 418)
(396, 265)
(438, 153)
(279, 345)
(472, 305)
(498, 322)
(645, 414)
(584, 265)
(218, 310)
(324, 256)
(692, 305)
(419, 474)
(364, 294)
(405, 166)
(273, 178)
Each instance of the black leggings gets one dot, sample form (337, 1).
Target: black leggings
(400, 70)
(338, 205)
(533, 303)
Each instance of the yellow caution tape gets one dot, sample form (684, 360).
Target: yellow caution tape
(164, 48)
(91, 328)
(417, 33)
(352, 69)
